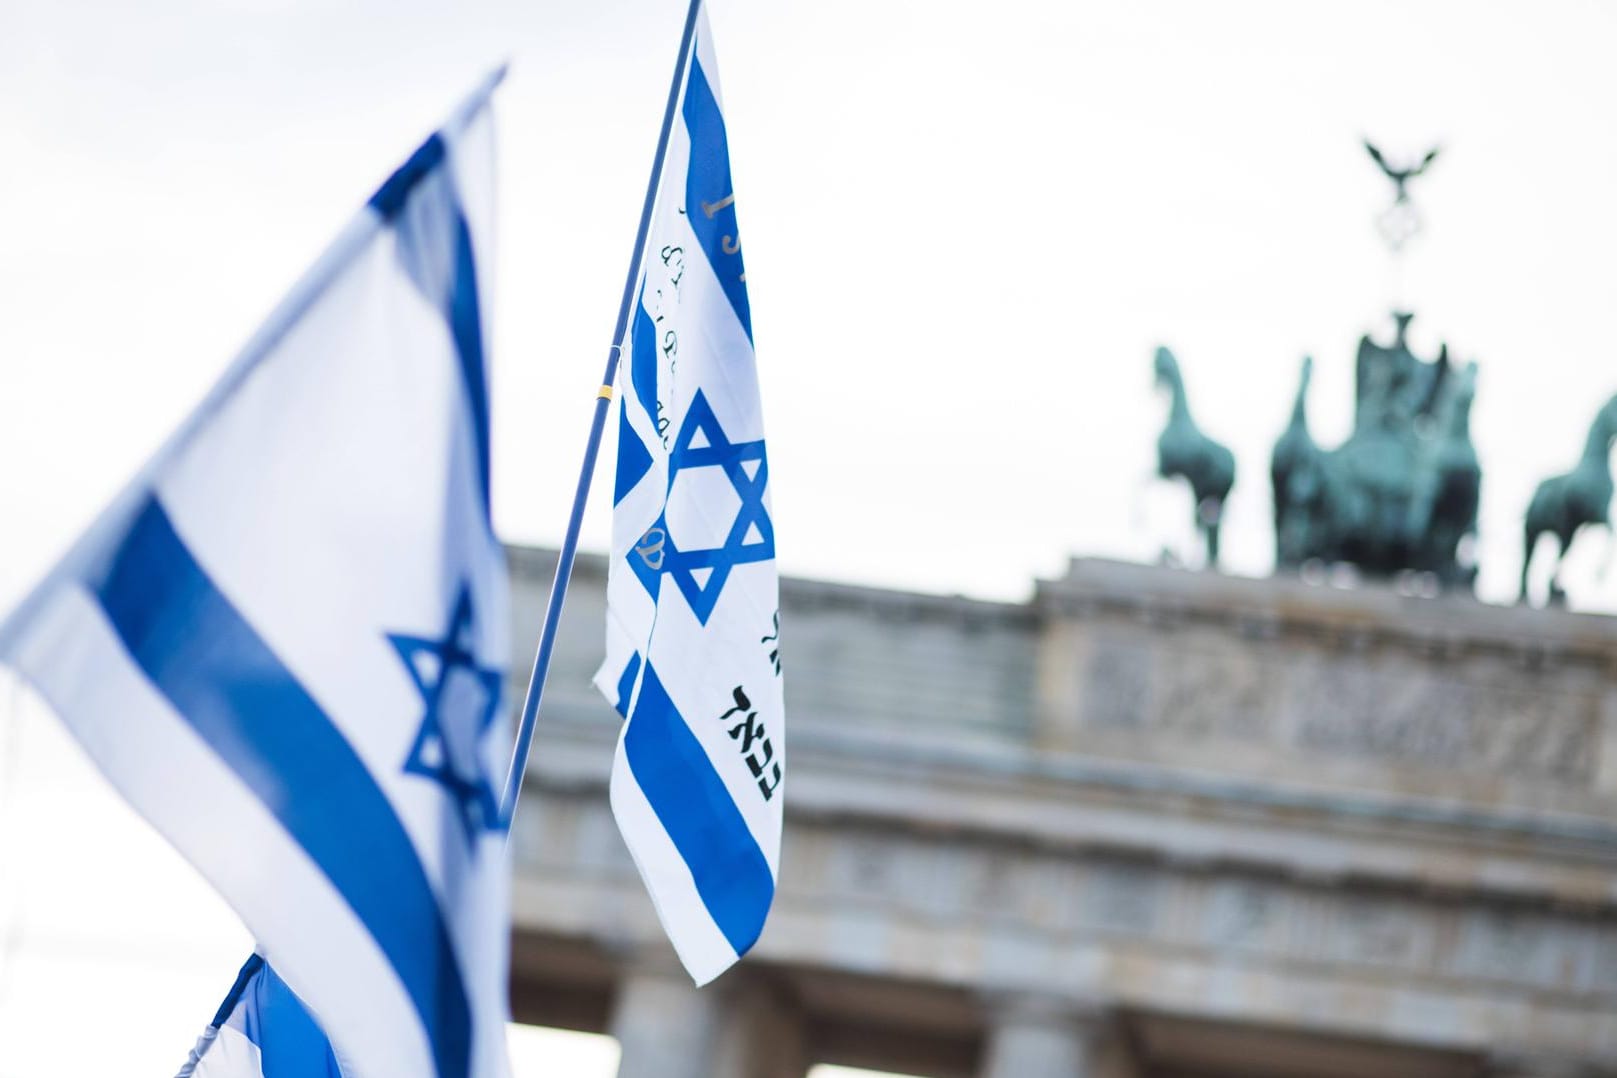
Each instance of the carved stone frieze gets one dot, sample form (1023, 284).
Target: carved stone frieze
(1366, 705)
(1117, 690)
(1401, 712)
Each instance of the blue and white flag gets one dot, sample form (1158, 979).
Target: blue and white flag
(693, 624)
(262, 1030)
(284, 641)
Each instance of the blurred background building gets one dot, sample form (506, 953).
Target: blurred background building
(1152, 823)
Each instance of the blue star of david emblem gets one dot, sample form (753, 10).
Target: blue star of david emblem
(700, 574)
(461, 699)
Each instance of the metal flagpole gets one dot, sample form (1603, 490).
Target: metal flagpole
(603, 400)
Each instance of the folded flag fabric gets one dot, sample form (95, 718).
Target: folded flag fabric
(693, 625)
(261, 1019)
(284, 642)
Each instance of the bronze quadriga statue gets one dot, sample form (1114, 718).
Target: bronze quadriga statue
(1399, 497)
(1401, 493)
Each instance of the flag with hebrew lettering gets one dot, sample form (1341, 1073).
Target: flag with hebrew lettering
(693, 622)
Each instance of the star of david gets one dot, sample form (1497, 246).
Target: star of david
(700, 574)
(461, 698)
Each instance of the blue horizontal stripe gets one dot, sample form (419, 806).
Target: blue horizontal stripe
(465, 316)
(626, 684)
(249, 968)
(389, 198)
(643, 363)
(695, 808)
(225, 681)
(709, 196)
(290, 1043)
(634, 460)
(435, 249)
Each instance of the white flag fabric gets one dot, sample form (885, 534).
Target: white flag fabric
(284, 642)
(692, 648)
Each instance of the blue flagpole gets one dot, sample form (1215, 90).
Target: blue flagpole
(603, 401)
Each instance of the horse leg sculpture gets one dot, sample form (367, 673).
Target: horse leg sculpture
(1563, 540)
(1529, 538)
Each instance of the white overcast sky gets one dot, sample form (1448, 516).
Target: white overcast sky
(966, 227)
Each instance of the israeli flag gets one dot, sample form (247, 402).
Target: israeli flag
(284, 641)
(693, 624)
(262, 1030)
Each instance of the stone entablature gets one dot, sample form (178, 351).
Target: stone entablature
(1194, 861)
(1445, 697)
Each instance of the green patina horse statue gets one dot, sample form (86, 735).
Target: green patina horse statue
(1297, 472)
(1183, 450)
(1564, 503)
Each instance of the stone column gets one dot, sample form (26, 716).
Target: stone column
(1039, 1036)
(762, 1035)
(1605, 776)
(741, 1026)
